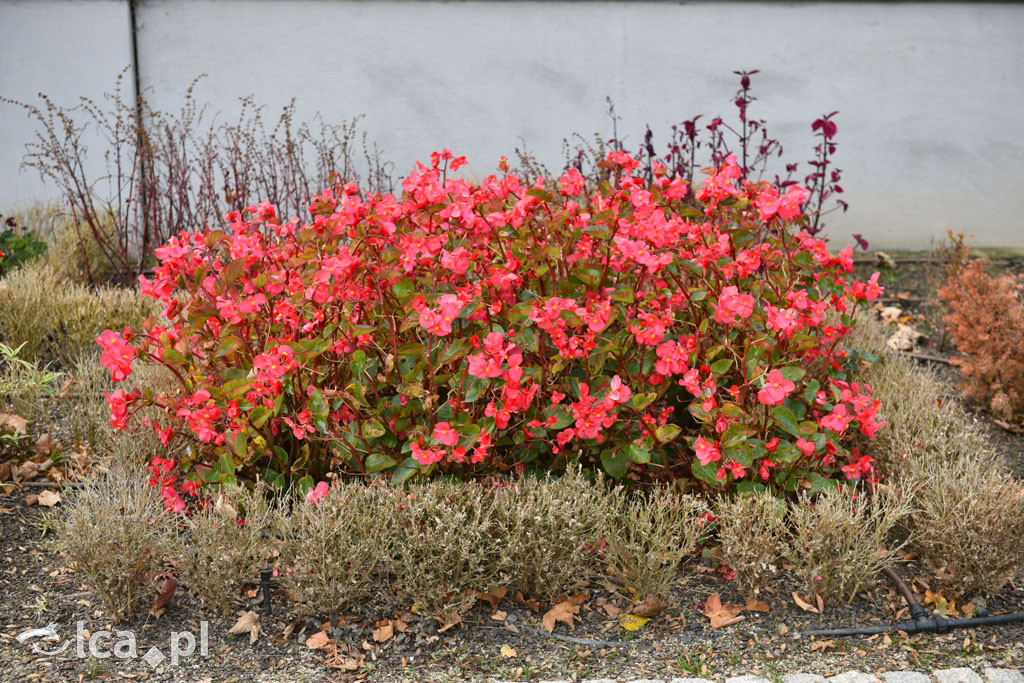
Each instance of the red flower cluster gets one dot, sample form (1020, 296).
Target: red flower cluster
(473, 328)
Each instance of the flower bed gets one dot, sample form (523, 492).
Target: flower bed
(477, 329)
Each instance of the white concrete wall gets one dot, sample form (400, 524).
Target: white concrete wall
(930, 94)
(66, 50)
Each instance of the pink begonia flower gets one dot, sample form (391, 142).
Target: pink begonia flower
(776, 389)
(732, 305)
(444, 433)
(707, 451)
(317, 493)
(806, 447)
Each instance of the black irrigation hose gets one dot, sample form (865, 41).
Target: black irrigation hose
(919, 621)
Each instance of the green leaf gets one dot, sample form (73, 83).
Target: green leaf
(793, 374)
(615, 463)
(639, 454)
(641, 401)
(720, 367)
(239, 444)
(357, 363)
(232, 272)
(666, 433)
(785, 417)
(811, 390)
(706, 473)
(373, 429)
(376, 462)
(404, 471)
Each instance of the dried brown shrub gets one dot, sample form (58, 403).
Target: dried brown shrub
(986, 322)
(335, 553)
(550, 529)
(117, 535)
(651, 536)
(839, 540)
(969, 521)
(224, 547)
(752, 531)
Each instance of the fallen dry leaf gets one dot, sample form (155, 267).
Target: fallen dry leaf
(632, 622)
(508, 651)
(651, 607)
(247, 623)
(5, 470)
(383, 633)
(15, 422)
(27, 471)
(448, 622)
(166, 592)
(45, 444)
(49, 498)
(904, 338)
(803, 604)
(318, 640)
(721, 615)
(225, 508)
(610, 608)
(31, 499)
(499, 615)
(822, 645)
(564, 612)
(755, 605)
(943, 606)
(890, 314)
(493, 598)
(528, 602)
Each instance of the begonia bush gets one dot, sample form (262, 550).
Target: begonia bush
(481, 329)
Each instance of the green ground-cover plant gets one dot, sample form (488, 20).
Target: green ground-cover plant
(17, 245)
(468, 329)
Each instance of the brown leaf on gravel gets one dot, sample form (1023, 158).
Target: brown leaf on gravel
(755, 605)
(651, 607)
(167, 588)
(804, 604)
(610, 608)
(448, 622)
(27, 471)
(721, 615)
(822, 645)
(318, 640)
(493, 598)
(564, 612)
(46, 444)
(31, 499)
(384, 632)
(15, 422)
(527, 602)
(49, 498)
(247, 623)
(499, 615)
(5, 470)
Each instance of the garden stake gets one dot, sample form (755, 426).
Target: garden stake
(265, 575)
(919, 621)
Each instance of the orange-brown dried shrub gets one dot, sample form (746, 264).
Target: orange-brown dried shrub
(986, 322)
